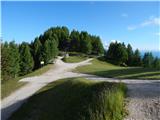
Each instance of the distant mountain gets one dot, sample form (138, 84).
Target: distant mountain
(154, 53)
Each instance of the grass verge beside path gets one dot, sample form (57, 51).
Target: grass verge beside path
(74, 59)
(9, 86)
(105, 69)
(75, 99)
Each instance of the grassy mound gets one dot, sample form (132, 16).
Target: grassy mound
(75, 99)
(105, 69)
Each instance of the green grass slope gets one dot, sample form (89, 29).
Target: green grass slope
(9, 86)
(75, 99)
(74, 59)
(105, 69)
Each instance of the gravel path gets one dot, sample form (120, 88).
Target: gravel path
(143, 95)
(16, 99)
(143, 98)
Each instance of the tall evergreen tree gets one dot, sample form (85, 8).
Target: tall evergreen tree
(130, 55)
(156, 63)
(37, 52)
(75, 41)
(117, 53)
(148, 60)
(46, 52)
(97, 47)
(137, 58)
(26, 59)
(14, 59)
(86, 46)
(10, 60)
(5, 61)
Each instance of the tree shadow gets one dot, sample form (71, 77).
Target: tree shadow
(129, 73)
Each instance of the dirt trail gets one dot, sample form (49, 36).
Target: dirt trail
(143, 95)
(16, 99)
(144, 101)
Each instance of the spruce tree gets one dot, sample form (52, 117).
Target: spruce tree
(148, 60)
(156, 63)
(130, 55)
(97, 47)
(46, 52)
(137, 58)
(14, 59)
(26, 59)
(37, 52)
(5, 61)
(86, 46)
(10, 60)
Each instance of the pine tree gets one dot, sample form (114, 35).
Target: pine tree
(14, 59)
(37, 52)
(97, 47)
(10, 60)
(130, 55)
(86, 46)
(75, 41)
(148, 60)
(5, 60)
(26, 59)
(137, 58)
(156, 63)
(46, 52)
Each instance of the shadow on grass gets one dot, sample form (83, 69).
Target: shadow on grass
(66, 101)
(130, 73)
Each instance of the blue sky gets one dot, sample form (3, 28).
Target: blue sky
(136, 23)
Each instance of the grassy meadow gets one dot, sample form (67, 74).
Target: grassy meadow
(105, 69)
(75, 99)
(74, 59)
(9, 86)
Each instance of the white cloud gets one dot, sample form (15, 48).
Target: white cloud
(108, 43)
(132, 27)
(152, 21)
(124, 15)
(113, 41)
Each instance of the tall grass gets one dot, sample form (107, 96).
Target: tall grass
(75, 99)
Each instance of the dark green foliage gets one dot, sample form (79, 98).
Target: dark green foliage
(50, 50)
(148, 60)
(117, 53)
(156, 63)
(86, 46)
(137, 58)
(10, 60)
(60, 34)
(26, 59)
(75, 41)
(130, 55)
(46, 52)
(97, 46)
(37, 53)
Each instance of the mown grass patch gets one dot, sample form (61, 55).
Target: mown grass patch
(106, 69)
(75, 99)
(9, 86)
(74, 59)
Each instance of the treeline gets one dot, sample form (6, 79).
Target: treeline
(74, 41)
(120, 54)
(21, 59)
